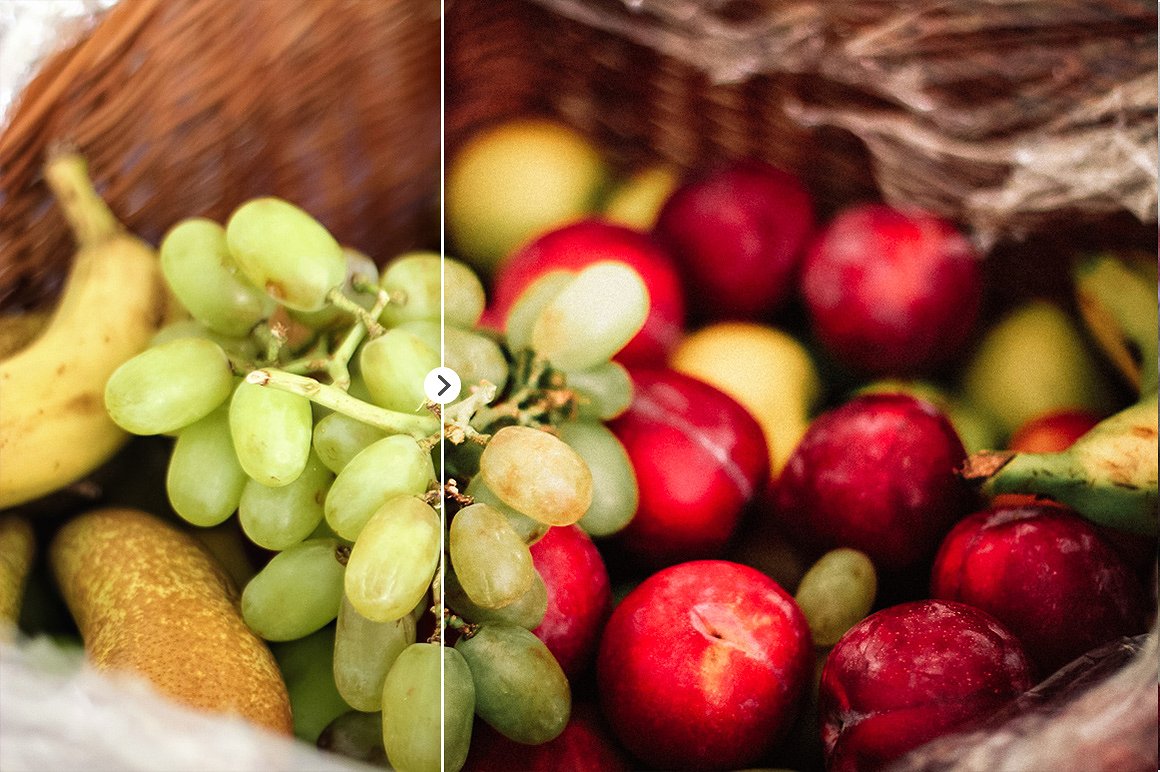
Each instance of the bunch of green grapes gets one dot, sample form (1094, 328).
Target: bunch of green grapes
(295, 396)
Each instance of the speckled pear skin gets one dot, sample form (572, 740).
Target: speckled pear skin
(17, 550)
(149, 599)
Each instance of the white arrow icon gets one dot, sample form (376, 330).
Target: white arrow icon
(442, 385)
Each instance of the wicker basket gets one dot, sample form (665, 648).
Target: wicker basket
(187, 107)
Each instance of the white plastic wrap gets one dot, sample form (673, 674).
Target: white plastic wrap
(58, 713)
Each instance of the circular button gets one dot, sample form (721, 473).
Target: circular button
(442, 385)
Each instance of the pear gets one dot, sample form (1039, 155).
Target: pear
(1033, 361)
(765, 369)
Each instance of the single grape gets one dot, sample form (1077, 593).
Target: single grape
(526, 611)
(168, 387)
(271, 430)
(393, 366)
(393, 560)
(390, 467)
(593, 317)
(279, 518)
(493, 564)
(363, 653)
(297, 592)
(357, 265)
(314, 699)
(602, 392)
(286, 252)
(419, 704)
(414, 282)
(520, 689)
(536, 473)
(614, 490)
(356, 735)
(534, 299)
(338, 438)
(474, 357)
(198, 267)
(531, 531)
(205, 480)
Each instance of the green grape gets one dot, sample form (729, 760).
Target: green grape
(492, 562)
(358, 385)
(314, 699)
(414, 281)
(393, 560)
(241, 348)
(286, 252)
(356, 735)
(592, 318)
(387, 468)
(535, 297)
(297, 592)
(279, 518)
(520, 689)
(603, 392)
(338, 438)
(205, 480)
(357, 264)
(614, 491)
(166, 388)
(363, 653)
(393, 366)
(526, 611)
(271, 430)
(474, 357)
(418, 705)
(198, 268)
(536, 473)
(531, 531)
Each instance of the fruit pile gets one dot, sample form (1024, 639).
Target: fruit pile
(729, 483)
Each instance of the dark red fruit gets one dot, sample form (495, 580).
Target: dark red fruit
(575, 246)
(699, 458)
(911, 673)
(1046, 574)
(738, 235)
(583, 746)
(701, 666)
(579, 596)
(892, 292)
(876, 474)
(1053, 432)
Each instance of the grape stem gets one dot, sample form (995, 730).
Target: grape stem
(368, 318)
(390, 421)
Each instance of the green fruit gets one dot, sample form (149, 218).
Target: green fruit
(1034, 361)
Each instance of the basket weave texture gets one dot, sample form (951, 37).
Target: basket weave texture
(188, 107)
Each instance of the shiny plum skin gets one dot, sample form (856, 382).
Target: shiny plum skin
(910, 673)
(572, 247)
(892, 292)
(699, 458)
(738, 234)
(1046, 574)
(584, 745)
(876, 474)
(579, 596)
(701, 666)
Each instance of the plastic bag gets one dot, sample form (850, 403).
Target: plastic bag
(1004, 114)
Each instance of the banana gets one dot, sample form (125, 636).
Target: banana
(1108, 475)
(19, 330)
(1118, 305)
(17, 550)
(53, 426)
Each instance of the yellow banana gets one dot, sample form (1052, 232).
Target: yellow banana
(53, 426)
(19, 330)
(17, 550)
(1109, 475)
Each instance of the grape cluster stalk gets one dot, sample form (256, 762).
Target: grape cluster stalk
(294, 393)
